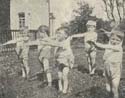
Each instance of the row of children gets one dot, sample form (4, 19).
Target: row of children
(65, 58)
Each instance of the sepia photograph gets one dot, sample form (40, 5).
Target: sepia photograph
(62, 48)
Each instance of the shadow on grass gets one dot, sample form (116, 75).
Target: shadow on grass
(93, 92)
(55, 83)
(82, 69)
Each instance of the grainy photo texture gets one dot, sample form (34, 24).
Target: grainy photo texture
(62, 48)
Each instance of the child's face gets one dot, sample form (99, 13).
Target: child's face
(91, 28)
(25, 32)
(61, 35)
(42, 30)
(114, 40)
(42, 33)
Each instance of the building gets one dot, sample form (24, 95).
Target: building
(15, 14)
(31, 13)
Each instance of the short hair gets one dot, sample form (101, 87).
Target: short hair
(117, 32)
(24, 28)
(24, 31)
(44, 28)
(66, 29)
(91, 22)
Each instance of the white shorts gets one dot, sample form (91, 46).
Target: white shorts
(113, 70)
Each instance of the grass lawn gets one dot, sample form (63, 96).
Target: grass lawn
(82, 85)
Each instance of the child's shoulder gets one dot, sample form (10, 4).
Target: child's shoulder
(117, 47)
(91, 34)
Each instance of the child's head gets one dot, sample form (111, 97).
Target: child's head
(117, 37)
(91, 25)
(25, 33)
(43, 29)
(112, 24)
(62, 33)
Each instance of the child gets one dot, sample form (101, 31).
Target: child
(44, 52)
(113, 61)
(64, 57)
(22, 50)
(89, 48)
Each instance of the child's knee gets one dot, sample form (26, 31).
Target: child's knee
(47, 70)
(93, 58)
(65, 72)
(108, 87)
(60, 75)
(46, 65)
(93, 55)
(45, 61)
(25, 61)
(40, 59)
(115, 85)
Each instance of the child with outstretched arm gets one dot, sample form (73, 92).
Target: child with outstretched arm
(44, 53)
(22, 50)
(89, 48)
(64, 57)
(113, 60)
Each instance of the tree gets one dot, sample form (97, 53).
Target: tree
(4, 20)
(115, 9)
(82, 15)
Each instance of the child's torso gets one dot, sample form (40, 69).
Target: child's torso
(65, 50)
(113, 56)
(41, 46)
(90, 36)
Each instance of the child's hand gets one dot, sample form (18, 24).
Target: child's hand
(91, 42)
(71, 66)
(103, 30)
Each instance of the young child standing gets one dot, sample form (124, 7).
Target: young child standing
(113, 61)
(44, 52)
(90, 49)
(22, 50)
(64, 57)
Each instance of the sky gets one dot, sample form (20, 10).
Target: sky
(62, 9)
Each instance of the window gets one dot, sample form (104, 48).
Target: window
(21, 19)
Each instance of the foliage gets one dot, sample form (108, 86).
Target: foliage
(115, 9)
(82, 15)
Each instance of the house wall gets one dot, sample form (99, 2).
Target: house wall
(36, 13)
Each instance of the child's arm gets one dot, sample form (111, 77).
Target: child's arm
(78, 35)
(49, 38)
(10, 42)
(106, 46)
(52, 43)
(45, 42)
(106, 32)
(36, 42)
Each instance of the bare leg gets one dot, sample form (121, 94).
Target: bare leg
(115, 86)
(47, 70)
(60, 81)
(65, 79)
(25, 62)
(108, 85)
(89, 63)
(23, 72)
(92, 61)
